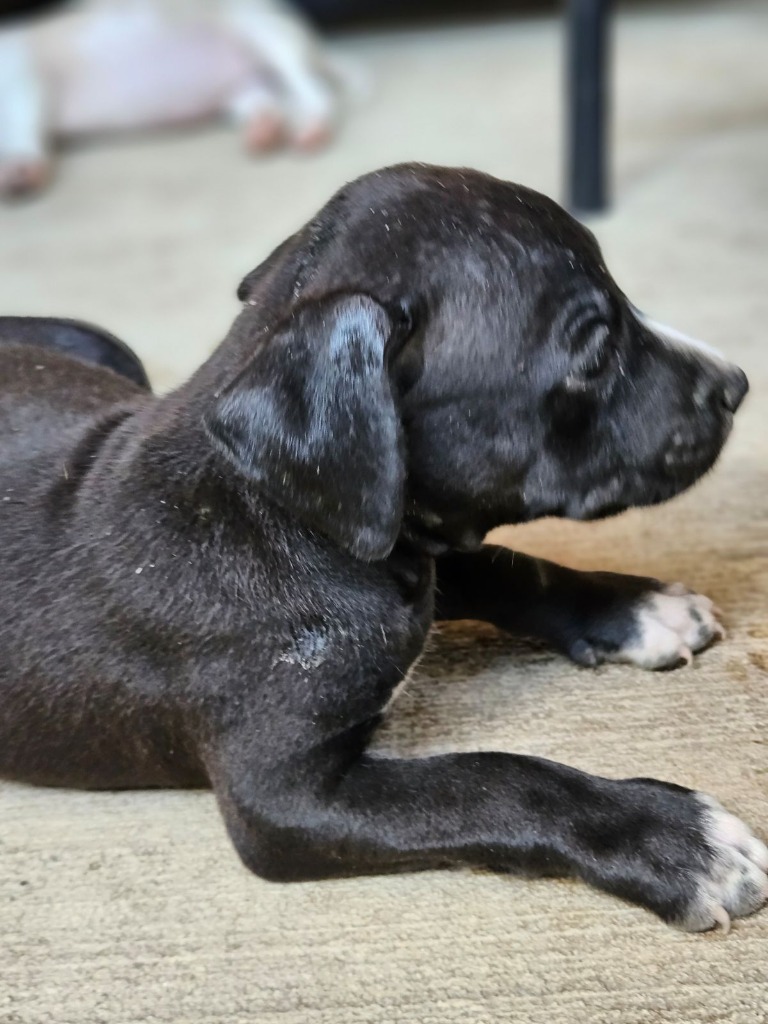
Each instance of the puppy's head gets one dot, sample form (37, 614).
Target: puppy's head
(440, 352)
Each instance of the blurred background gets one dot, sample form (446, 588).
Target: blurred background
(149, 235)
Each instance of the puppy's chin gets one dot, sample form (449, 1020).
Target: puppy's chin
(601, 505)
(609, 502)
(604, 512)
(589, 508)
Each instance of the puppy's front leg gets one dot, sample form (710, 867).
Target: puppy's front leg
(590, 616)
(24, 163)
(669, 849)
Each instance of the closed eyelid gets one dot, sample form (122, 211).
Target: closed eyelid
(582, 307)
(593, 357)
(589, 333)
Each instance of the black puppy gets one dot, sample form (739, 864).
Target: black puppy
(225, 586)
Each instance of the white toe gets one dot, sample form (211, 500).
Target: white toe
(736, 881)
(670, 627)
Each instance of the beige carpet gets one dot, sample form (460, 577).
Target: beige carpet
(132, 907)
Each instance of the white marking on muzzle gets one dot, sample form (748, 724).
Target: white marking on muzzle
(677, 338)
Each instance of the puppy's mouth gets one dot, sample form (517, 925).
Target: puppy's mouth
(675, 470)
(593, 506)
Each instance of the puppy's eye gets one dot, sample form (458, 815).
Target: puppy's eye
(597, 355)
(593, 359)
(404, 323)
(403, 327)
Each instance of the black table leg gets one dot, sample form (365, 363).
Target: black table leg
(587, 104)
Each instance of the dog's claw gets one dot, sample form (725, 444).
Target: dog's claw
(583, 653)
(722, 918)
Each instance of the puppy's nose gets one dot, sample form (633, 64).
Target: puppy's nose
(735, 388)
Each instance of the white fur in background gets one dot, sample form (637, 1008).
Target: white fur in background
(112, 65)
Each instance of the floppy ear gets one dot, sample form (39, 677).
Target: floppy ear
(312, 421)
(282, 266)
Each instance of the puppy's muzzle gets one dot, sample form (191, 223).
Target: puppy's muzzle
(732, 389)
(725, 385)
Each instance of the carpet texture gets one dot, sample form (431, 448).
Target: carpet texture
(132, 907)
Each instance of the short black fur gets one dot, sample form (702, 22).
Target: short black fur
(225, 585)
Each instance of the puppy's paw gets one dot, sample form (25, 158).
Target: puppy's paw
(641, 622)
(21, 177)
(680, 854)
(669, 628)
(264, 131)
(734, 881)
